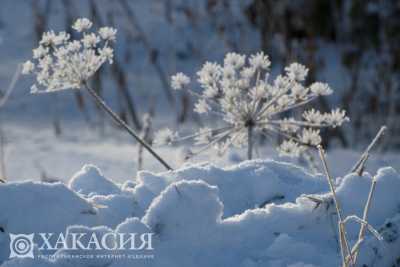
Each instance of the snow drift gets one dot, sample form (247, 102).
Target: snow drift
(256, 213)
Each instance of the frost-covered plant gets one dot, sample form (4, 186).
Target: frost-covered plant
(349, 254)
(63, 63)
(59, 62)
(241, 94)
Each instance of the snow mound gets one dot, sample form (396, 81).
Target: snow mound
(33, 207)
(90, 181)
(177, 211)
(186, 212)
(244, 186)
(113, 209)
(29, 207)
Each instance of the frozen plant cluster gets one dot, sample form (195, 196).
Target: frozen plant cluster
(59, 62)
(241, 93)
(63, 63)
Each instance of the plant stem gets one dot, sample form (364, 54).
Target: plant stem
(359, 166)
(363, 227)
(250, 142)
(118, 120)
(344, 246)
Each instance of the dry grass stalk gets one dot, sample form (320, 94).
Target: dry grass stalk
(356, 248)
(344, 246)
(121, 123)
(349, 257)
(359, 166)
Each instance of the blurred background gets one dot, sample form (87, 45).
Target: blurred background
(354, 45)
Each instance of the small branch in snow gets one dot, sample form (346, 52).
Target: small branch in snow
(350, 257)
(344, 246)
(356, 248)
(359, 166)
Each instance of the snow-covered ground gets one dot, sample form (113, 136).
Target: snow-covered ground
(255, 213)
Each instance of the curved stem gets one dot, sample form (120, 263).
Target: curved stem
(118, 120)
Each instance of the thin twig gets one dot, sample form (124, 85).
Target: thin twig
(356, 248)
(118, 120)
(359, 166)
(344, 246)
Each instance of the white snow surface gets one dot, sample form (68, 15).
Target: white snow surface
(255, 213)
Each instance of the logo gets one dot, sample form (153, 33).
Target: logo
(21, 246)
(101, 244)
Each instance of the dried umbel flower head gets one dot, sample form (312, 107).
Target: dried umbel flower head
(62, 63)
(247, 102)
